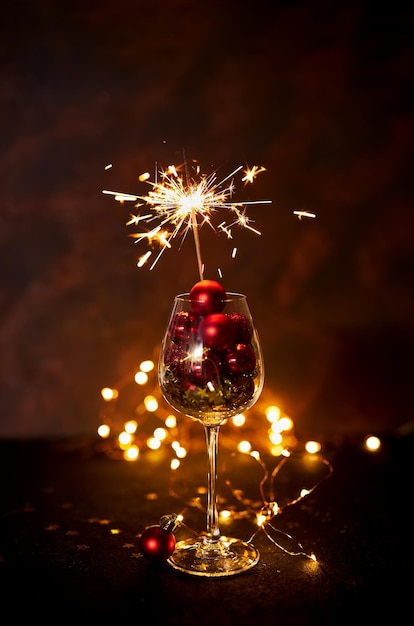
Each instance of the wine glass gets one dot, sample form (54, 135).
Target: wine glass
(211, 368)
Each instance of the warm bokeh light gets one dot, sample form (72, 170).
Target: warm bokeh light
(225, 515)
(282, 424)
(109, 394)
(313, 447)
(153, 443)
(151, 403)
(104, 431)
(272, 413)
(124, 439)
(238, 420)
(286, 423)
(131, 453)
(141, 378)
(275, 438)
(181, 452)
(171, 421)
(130, 426)
(147, 366)
(160, 433)
(372, 443)
(244, 446)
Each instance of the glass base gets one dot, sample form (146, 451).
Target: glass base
(225, 557)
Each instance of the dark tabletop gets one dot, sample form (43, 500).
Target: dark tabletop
(71, 518)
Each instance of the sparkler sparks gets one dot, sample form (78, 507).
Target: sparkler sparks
(180, 203)
(301, 214)
(251, 174)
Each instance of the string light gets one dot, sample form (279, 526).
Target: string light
(312, 447)
(265, 432)
(152, 426)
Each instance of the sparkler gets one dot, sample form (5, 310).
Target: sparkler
(179, 203)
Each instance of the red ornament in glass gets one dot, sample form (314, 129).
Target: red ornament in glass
(182, 326)
(216, 331)
(207, 296)
(243, 328)
(240, 359)
(201, 371)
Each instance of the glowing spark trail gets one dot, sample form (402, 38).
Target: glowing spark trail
(252, 173)
(301, 214)
(179, 204)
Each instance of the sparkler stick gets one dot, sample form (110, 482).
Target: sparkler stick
(197, 242)
(195, 230)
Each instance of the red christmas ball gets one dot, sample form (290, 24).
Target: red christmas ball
(240, 359)
(182, 325)
(207, 296)
(201, 371)
(216, 331)
(244, 328)
(156, 544)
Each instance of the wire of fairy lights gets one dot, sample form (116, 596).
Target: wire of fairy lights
(135, 419)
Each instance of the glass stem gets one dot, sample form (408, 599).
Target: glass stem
(213, 530)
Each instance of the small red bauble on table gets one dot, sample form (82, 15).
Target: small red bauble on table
(157, 542)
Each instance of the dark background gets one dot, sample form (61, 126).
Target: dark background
(319, 93)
